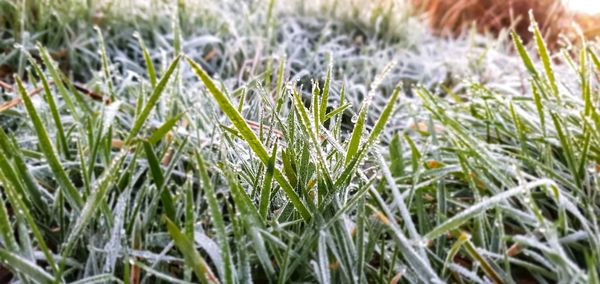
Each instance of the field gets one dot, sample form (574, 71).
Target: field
(294, 141)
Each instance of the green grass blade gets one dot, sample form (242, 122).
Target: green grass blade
(191, 255)
(360, 239)
(565, 140)
(540, 108)
(466, 214)
(336, 111)
(399, 200)
(104, 61)
(100, 278)
(396, 159)
(280, 77)
(159, 180)
(288, 167)
(10, 177)
(8, 237)
(413, 258)
(148, 60)
(62, 140)
(524, 55)
(485, 265)
(24, 266)
(58, 82)
(595, 58)
(315, 109)
(585, 78)
(219, 223)
(265, 193)
(325, 95)
(95, 200)
(160, 132)
(377, 129)
(454, 249)
(383, 118)
(22, 210)
(33, 189)
(357, 132)
(241, 199)
(308, 127)
(249, 136)
(544, 56)
(46, 146)
(356, 135)
(145, 112)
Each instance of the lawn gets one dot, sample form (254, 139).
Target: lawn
(291, 141)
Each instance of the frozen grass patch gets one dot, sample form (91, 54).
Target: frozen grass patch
(306, 147)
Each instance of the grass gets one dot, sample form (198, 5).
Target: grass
(329, 164)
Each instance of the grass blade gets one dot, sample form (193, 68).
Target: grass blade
(543, 51)
(148, 60)
(524, 55)
(485, 265)
(62, 140)
(8, 237)
(191, 255)
(249, 136)
(359, 126)
(414, 259)
(219, 223)
(104, 61)
(101, 278)
(145, 112)
(377, 129)
(160, 132)
(466, 214)
(58, 82)
(24, 266)
(46, 146)
(22, 210)
(336, 111)
(159, 181)
(325, 95)
(95, 200)
(265, 193)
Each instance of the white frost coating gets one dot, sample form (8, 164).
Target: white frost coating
(482, 206)
(113, 246)
(211, 248)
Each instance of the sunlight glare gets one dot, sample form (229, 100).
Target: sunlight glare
(586, 6)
